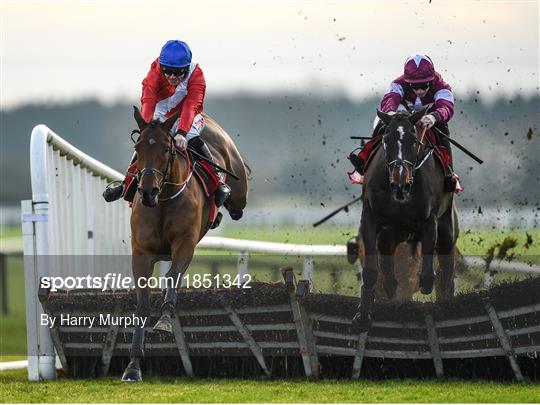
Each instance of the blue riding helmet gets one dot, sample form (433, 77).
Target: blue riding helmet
(175, 54)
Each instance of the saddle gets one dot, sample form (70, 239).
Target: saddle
(205, 175)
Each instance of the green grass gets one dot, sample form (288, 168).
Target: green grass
(15, 388)
(11, 232)
(13, 325)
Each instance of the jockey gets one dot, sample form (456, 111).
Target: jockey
(175, 83)
(418, 87)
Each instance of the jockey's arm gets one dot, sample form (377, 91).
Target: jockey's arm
(444, 101)
(392, 98)
(444, 105)
(193, 102)
(150, 88)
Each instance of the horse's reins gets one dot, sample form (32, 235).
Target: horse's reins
(187, 177)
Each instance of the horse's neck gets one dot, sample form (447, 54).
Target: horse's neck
(179, 169)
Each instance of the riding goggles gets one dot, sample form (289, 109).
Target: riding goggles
(420, 86)
(173, 71)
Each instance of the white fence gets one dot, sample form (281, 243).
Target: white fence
(67, 217)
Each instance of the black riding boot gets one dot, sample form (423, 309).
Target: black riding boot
(449, 179)
(114, 193)
(223, 191)
(356, 160)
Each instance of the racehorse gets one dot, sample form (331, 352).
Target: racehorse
(170, 214)
(403, 200)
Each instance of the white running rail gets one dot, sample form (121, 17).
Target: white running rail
(68, 218)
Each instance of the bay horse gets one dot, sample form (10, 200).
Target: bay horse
(170, 214)
(404, 201)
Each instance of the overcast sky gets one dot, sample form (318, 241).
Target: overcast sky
(62, 51)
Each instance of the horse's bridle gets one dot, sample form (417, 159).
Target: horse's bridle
(404, 162)
(165, 174)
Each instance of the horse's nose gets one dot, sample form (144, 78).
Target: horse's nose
(397, 191)
(154, 192)
(407, 188)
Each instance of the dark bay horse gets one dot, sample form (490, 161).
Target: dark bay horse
(404, 201)
(170, 214)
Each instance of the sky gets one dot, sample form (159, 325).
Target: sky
(59, 51)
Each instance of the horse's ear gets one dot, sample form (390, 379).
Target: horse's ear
(415, 117)
(168, 124)
(138, 117)
(386, 118)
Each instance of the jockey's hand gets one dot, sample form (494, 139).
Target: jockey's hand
(390, 113)
(180, 140)
(428, 121)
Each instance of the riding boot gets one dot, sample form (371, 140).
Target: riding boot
(223, 191)
(357, 162)
(114, 193)
(450, 180)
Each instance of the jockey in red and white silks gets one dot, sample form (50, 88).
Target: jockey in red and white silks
(174, 84)
(160, 100)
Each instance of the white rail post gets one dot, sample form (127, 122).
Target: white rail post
(40, 200)
(31, 282)
(242, 266)
(488, 279)
(307, 271)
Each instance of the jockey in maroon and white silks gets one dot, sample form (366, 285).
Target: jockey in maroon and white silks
(438, 97)
(418, 87)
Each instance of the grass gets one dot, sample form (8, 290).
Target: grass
(15, 388)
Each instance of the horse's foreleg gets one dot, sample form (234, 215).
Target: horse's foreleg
(446, 244)
(181, 258)
(386, 244)
(142, 267)
(368, 230)
(429, 241)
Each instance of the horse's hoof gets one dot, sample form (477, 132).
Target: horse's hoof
(132, 375)
(163, 325)
(426, 284)
(236, 214)
(361, 322)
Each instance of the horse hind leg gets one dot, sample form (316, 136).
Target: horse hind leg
(237, 200)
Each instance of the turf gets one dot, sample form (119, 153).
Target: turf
(15, 388)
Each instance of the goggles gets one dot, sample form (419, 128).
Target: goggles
(173, 71)
(420, 86)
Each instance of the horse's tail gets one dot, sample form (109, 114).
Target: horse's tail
(247, 166)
